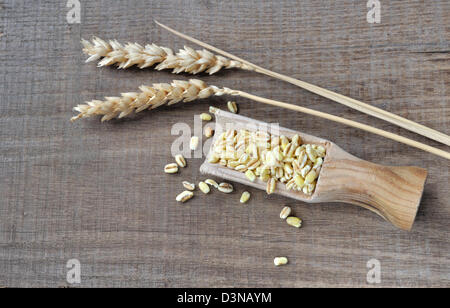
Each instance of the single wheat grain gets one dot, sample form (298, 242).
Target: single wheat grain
(188, 185)
(280, 261)
(204, 187)
(285, 212)
(244, 197)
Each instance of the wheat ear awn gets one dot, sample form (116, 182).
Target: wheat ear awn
(186, 60)
(186, 91)
(347, 101)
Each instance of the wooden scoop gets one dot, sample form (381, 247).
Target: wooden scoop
(394, 193)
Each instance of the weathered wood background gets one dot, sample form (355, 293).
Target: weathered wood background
(96, 192)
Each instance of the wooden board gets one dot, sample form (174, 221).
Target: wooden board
(96, 192)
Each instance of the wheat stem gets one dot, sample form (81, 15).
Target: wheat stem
(347, 101)
(185, 91)
(351, 123)
(186, 60)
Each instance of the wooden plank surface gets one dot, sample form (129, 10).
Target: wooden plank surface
(96, 192)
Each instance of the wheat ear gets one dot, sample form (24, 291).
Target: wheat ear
(177, 91)
(148, 98)
(186, 60)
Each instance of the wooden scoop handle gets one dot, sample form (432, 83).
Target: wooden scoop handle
(392, 192)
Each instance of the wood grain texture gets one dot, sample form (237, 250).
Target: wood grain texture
(96, 192)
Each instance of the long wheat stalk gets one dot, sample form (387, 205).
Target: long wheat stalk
(195, 61)
(347, 101)
(186, 60)
(186, 91)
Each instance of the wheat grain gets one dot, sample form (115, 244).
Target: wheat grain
(205, 117)
(171, 168)
(188, 185)
(225, 188)
(186, 60)
(278, 261)
(184, 196)
(244, 197)
(212, 183)
(180, 160)
(294, 221)
(193, 145)
(204, 187)
(209, 131)
(285, 212)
